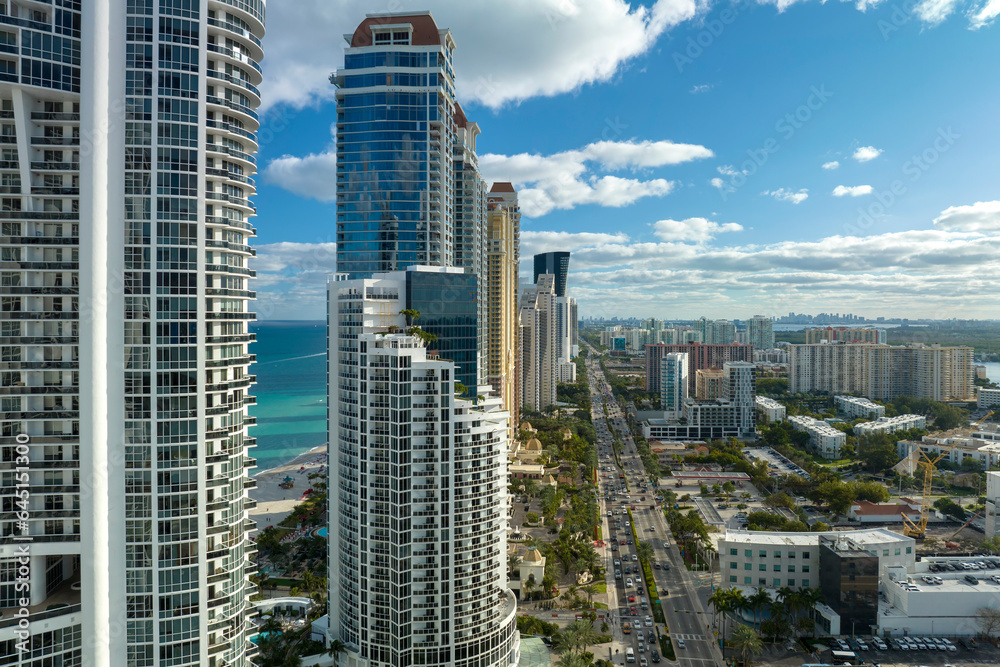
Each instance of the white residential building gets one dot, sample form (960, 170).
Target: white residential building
(890, 425)
(760, 332)
(733, 416)
(418, 494)
(539, 361)
(856, 407)
(824, 439)
(129, 139)
(981, 445)
(882, 371)
(770, 409)
(673, 383)
(987, 398)
(992, 502)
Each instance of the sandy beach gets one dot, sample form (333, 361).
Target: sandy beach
(275, 503)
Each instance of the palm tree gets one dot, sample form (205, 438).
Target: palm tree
(746, 643)
(645, 551)
(737, 601)
(758, 600)
(591, 591)
(337, 647)
(719, 601)
(528, 585)
(573, 660)
(513, 561)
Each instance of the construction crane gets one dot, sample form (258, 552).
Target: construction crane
(919, 529)
(971, 518)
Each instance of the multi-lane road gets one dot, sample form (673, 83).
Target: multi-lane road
(689, 624)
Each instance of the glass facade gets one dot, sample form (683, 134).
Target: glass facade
(448, 309)
(395, 138)
(556, 263)
(848, 579)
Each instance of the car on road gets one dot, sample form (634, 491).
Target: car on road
(631, 597)
(628, 583)
(648, 620)
(679, 643)
(618, 574)
(654, 655)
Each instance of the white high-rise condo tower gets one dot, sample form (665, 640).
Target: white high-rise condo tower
(127, 142)
(418, 492)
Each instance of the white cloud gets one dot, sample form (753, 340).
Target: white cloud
(852, 190)
(866, 153)
(310, 176)
(728, 170)
(917, 273)
(934, 12)
(983, 216)
(702, 88)
(781, 194)
(718, 183)
(569, 179)
(561, 44)
(985, 14)
(833, 164)
(535, 242)
(698, 230)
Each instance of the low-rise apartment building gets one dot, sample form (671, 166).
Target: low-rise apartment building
(824, 439)
(770, 410)
(858, 407)
(890, 425)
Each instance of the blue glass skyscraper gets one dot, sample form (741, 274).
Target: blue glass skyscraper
(396, 136)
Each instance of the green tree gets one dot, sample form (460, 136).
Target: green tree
(747, 644)
(780, 499)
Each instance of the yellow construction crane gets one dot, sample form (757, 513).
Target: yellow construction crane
(917, 530)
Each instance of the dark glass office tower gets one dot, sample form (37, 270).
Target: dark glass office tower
(848, 578)
(447, 305)
(556, 263)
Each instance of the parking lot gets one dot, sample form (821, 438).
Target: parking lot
(776, 463)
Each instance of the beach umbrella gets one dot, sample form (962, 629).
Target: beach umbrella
(289, 479)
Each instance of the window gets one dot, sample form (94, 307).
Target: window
(805, 554)
(909, 550)
(762, 581)
(732, 579)
(791, 555)
(777, 554)
(777, 567)
(897, 551)
(791, 582)
(885, 552)
(762, 567)
(777, 581)
(763, 554)
(791, 568)
(805, 569)
(748, 553)
(747, 580)
(732, 552)
(732, 566)
(747, 566)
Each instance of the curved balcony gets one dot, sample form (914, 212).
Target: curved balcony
(251, 11)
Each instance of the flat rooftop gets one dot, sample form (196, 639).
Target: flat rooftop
(859, 537)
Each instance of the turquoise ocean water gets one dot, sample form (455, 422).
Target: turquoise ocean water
(290, 390)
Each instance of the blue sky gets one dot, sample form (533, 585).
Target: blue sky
(723, 159)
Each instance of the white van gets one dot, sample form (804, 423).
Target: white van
(630, 654)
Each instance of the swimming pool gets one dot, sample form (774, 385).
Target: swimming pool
(322, 532)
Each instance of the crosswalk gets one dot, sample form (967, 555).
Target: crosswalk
(687, 637)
